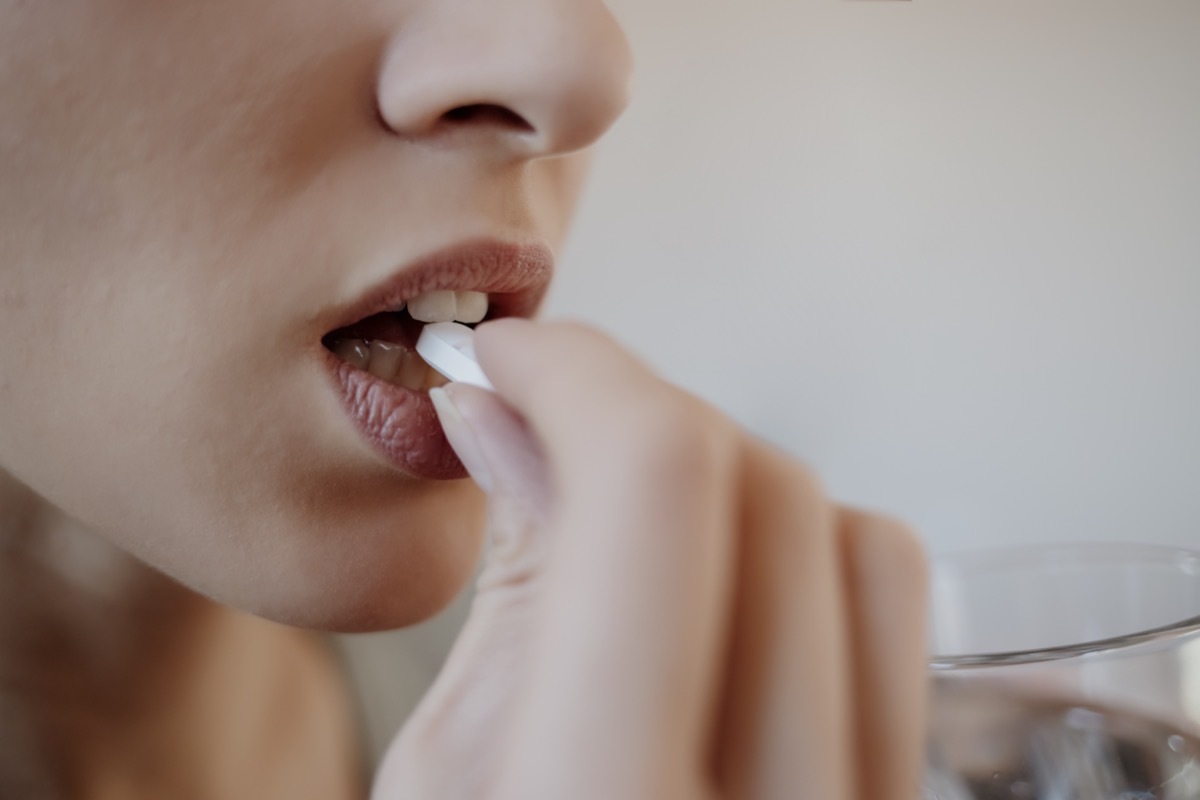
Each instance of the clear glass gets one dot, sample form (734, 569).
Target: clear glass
(1066, 672)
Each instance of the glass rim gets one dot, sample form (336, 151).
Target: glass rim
(1011, 556)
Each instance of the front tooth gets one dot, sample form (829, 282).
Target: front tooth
(354, 351)
(472, 306)
(438, 306)
(385, 359)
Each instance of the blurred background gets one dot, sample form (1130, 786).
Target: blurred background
(945, 251)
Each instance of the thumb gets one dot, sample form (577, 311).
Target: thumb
(469, 704)
(503, 457)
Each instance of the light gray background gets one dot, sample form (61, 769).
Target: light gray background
(945, 251)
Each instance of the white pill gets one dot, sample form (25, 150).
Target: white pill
(449, 348)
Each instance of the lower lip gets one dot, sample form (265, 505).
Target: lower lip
(399, 423)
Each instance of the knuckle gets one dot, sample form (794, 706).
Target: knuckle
(671, 430)
(805, 482)
(786, 475)
(880, 542)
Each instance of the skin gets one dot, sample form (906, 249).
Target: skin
(670, 608)
(188, 192)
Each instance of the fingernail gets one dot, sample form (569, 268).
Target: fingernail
(461, 438)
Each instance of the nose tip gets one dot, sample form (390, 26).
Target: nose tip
(530, 78)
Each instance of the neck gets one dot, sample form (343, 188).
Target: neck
(107, 666)
(83, 628)
(77, 594)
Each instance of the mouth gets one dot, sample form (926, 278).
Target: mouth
(372, 353)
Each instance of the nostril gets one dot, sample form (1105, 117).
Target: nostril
(487, 114)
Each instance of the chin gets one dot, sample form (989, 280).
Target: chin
(398, 564)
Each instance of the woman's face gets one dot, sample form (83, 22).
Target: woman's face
(201, 200)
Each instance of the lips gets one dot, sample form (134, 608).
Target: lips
(399, 420)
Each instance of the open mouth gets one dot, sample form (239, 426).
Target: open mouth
(382, 380)
(384, 344)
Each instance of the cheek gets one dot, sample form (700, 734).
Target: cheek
(558, 183)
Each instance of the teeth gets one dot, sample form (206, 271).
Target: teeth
(355, 351)
(433, 307)
(396, 363)
(413, 370)
(385, 359)
(472, 306)
(448, 306)
(393, 363)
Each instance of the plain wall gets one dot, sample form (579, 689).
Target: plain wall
(946, 251)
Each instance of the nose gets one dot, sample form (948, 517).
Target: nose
(520, 78)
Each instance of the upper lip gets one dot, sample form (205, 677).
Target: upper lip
(514, 275)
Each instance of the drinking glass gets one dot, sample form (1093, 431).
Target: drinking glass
(1065, 672)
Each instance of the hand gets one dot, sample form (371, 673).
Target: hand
(670, 608)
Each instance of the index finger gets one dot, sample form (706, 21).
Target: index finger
(629, 645)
